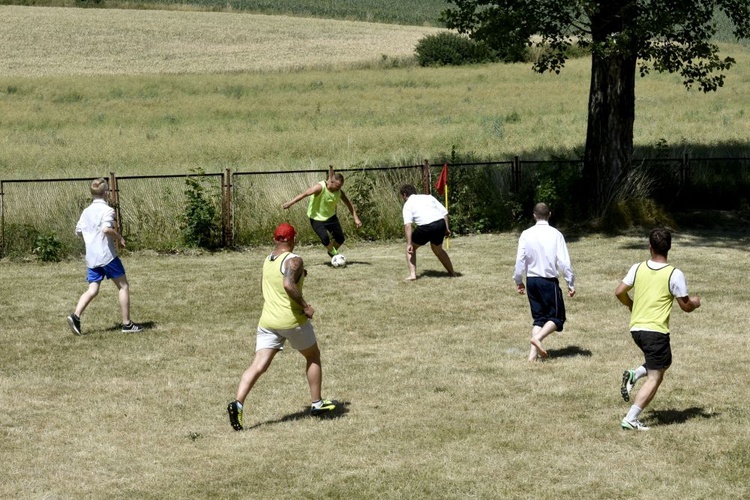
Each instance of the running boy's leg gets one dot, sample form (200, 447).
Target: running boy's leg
(443, 257)
(87, 297)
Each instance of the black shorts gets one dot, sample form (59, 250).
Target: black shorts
(434, 232)
(655, 347)
(323, 227)
(546, 301)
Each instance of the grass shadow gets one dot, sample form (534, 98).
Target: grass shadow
(147, 325)
(351, 263)
(338, 412)
(569, 352)
(431, 273)
(672, 416)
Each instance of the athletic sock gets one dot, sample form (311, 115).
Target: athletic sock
(640, 372)
(317, 404)
(633, 414)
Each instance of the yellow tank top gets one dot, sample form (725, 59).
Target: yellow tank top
(280, 312)
(652, 299)
(322, 206)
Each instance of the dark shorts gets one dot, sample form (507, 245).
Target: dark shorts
(655, 347)
(323, 227)
(434, 232)
(546, 301)
(112, 270)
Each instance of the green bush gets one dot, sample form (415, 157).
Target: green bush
(48, 248)
(200, 222)
(452, 49)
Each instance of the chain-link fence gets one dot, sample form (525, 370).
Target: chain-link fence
(154, 211)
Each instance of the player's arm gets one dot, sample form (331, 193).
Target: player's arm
(621, 292)
(407, 232)
(293, 271)
(689, 304)
(447, 224)
(351, 208)
(315, 189)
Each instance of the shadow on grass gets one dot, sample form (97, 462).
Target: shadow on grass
(669, 417)
(338, 412)
(350, 263)
(569, 352)
(147, 325)
(431, 273)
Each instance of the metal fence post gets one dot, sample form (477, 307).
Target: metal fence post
(426, 177)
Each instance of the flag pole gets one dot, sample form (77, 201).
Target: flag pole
(448, 239)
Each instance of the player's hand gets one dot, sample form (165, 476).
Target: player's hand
(447, 232)
(571, 291)
(696, 301)
(521, 288)
(122, 241)
(286, 205)
(358, 222)
(410, 249)
(309, 311)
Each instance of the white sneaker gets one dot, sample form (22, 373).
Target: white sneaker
(635, 425)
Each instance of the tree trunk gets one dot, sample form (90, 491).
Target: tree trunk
(609, 137)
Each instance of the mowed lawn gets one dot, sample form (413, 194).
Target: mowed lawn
(436, 397)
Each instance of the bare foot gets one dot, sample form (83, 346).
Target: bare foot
(542, 352)
(411, 278)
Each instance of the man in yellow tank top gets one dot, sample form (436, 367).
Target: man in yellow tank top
(655, 284)
(321, 210)
(286, 316)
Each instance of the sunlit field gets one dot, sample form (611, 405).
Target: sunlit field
(241, 100)
(436, 399)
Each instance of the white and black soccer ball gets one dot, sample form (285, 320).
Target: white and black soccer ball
(338, 260)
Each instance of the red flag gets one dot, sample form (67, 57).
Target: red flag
(442, 181)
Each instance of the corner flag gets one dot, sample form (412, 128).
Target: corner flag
(442, 188)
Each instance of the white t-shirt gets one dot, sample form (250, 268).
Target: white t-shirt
(100, 250)
(422, 209)
(677, 282)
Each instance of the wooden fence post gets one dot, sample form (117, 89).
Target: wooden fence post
(516, 174)
(114, 202)
(426, 177)
(685, 170)
(227, 233)
(2, 219)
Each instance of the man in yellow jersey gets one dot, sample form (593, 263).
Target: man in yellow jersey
(286, 316)
(322, 211)
(655, 284)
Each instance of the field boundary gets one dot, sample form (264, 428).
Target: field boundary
(30, 208)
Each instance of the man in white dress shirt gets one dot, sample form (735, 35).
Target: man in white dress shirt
(541, 249)
(97, 226)
(433, 226)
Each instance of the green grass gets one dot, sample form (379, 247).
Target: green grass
(440, 402)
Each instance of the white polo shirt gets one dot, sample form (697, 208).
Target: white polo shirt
(422, 209)
(542, 248)
(100, 250)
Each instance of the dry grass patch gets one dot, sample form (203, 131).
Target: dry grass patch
(440, 400)
(45, 41)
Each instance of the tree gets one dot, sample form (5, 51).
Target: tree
(624, 36)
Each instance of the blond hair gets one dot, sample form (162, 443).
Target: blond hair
(99, 187)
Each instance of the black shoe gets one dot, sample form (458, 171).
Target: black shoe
(74, 322)
(325, 407)
(132, 328)
(235, 415)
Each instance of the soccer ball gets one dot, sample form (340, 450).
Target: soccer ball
(338, 260)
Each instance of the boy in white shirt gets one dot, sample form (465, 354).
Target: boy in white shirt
(97, 226)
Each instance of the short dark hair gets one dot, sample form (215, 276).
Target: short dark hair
(660, 240)
(541, 211)
(408, 190)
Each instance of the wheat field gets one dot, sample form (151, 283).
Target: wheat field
(48, 41)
